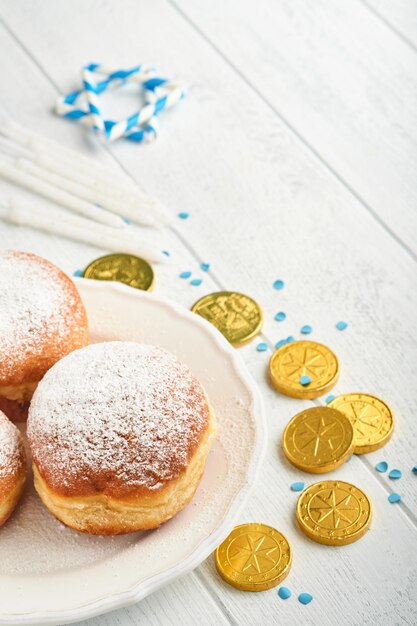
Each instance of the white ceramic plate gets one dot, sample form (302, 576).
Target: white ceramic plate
(50, 574)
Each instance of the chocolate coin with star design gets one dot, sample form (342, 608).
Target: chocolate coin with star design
(300, 361)
(237, 316)
(318, 440)
(123, 268)
(371, 418)
(254, 557)
(334, 513)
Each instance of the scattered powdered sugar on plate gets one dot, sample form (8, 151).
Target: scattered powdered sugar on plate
(34, 543)
(35, 547)
(116, 416)
(10, 447)
(34, 304)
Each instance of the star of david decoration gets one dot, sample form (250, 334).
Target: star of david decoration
(84, 105)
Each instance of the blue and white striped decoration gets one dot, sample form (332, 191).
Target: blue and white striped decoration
(92, 100)
(83, 105)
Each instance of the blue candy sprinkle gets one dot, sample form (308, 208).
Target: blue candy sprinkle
(126, 221)
(297, 486)
(262, 347)
(306, 329)
(283, 342)
(382, 466)
(349, 459)
(196, 282)
(204, 267)
(185, 274)
(414, 469)
(341, 325)
(330, 398)
(305, 380)
(183, 215)
(78, 273)
(278, 284)
(280, 343)
(394, 497)
(395, 474)
(280, 317)
(284, 593)
(166, 253)
(305, 598)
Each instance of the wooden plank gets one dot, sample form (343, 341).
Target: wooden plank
(341, 80)
(400, 15)
(233, 181)
(168, 606)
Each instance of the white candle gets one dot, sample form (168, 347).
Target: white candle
(82, 170)
(132, 200)
(92, 195)
(11, 148)
(78, 228)
(9, 172)
(24, 136)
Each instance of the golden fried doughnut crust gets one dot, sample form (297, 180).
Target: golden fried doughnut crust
(15, 410)
(42, 318)
(108, 515)
(12, 467)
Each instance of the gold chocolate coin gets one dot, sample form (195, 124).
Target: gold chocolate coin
(254, 557)
(318, 440)
(124, 268)
(308, 359)
(334, 513)
(371, 418)
(235, 315)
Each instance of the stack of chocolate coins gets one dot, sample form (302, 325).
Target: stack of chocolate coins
(255, 557)
(320, 439)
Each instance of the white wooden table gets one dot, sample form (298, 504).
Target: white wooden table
(295, 153)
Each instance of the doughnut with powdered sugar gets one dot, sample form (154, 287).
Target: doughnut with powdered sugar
(42, 318)
(119, 433)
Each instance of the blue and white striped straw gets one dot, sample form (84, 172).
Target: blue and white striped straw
(149, 111)
(159, 94)
(92, 100)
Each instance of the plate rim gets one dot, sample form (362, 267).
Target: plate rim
(138, 592)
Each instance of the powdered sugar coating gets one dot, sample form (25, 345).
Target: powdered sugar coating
(41, 315)
(118, 418)
(10, 447)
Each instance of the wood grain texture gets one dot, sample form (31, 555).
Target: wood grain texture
(187, 601)
(347, 87)
(400, 15)
(262, 206)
